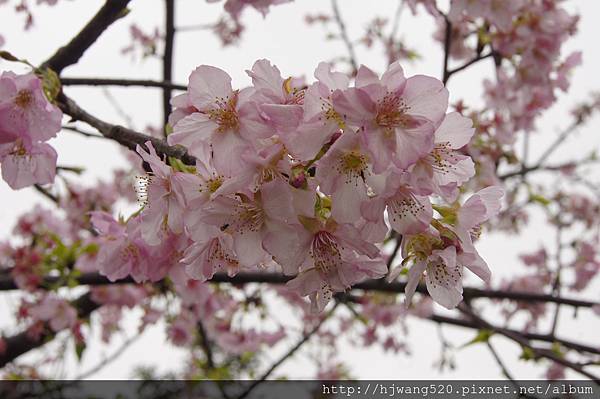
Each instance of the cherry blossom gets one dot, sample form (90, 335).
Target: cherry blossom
(27, 119)
(395, 116)
(27, 164)
(24, 110)
(57, 312)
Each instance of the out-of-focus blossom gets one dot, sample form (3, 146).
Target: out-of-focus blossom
(57, 312)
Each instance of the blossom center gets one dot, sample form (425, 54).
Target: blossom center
(392, 112)
(353, 164)
(218, 254)
(130, 252)
(23, 99)
(403, 205)
(294, 96)
(248, 218)
(421, 245)
(225, 113)
(19, 150)
(440, 275)
(331, 114)
(325, 253)
(442, 158)
(214, 183)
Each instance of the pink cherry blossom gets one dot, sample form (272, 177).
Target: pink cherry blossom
(24, 110)
(181, 330)
(332, 257)
(246, 341)
(444, 169)
(556, 372)
(345, 173)
(57, 312)
(320, 119)
(249, 220)
(235, 7)
(395, 116)
(225, 118)
(24, 164)
(443, 277)
(167, 195)
(123, 251)
(280, 101)
(498, 12)
(210, 252)
(408, 212)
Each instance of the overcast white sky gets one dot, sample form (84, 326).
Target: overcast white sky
(296, 49)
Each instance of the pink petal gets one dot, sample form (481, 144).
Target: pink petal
(456, 130)
(208, 84)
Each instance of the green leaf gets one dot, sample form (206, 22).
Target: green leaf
(79, 349)
(179, 166)
(528, 354)
(557, 349)
(8, 56)
(539, 199)
(51, 83)
(482, 336)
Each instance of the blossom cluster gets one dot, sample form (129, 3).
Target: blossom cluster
(307, 179)
(529, 34)
(235, 7)
(27, 121)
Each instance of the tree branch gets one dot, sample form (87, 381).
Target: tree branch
(528, 335)
(46, 193)
(289, 353)
(168, 58)
(524, 342)
(447, 43)
(345, 38)
(8, 284)
(113, 356)
(468, 64)
(110, 12)
(121, 82)
(124, 136)
(23, 343)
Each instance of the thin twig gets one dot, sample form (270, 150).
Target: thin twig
(501, 364)
(345, 38)
(46, 193)
(206, 345)
(111, 11)
(8, 284)
(191, 28)
(505, 371)
(23, 342)
(121, 82)
(289, 353)
(559, 265)
(447, 43)
(518, 338)
(75, 129)
(556, 143)
(396, 22)
(468, 64)
(124, 136)
(168, 59)
(114, 356)
(525, 170)
(582, 348)
(394, 252)
(118, 108)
